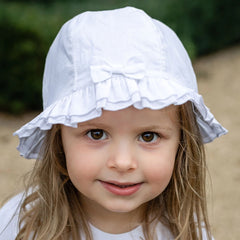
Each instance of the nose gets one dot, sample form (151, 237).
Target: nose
(123, 158)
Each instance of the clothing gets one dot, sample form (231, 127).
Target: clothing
(9, 226)
(9, 218)
(112, 60)
(135, 234)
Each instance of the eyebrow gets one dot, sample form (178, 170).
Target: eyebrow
(137, 129)
(93, 124)
(154, 128)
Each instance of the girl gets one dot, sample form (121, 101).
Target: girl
(120, 141)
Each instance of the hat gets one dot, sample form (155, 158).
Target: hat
(111, 60)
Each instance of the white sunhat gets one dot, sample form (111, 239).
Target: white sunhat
(111, 60)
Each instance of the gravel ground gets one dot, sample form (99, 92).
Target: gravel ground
(219, 83)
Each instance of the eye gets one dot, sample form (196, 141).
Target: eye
(148, 137)
(97, 134)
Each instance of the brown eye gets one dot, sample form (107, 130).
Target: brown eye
(148, 137)
(96, 134)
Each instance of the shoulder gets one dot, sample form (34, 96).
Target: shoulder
(9, 215)
(162, 232)
(204, 234)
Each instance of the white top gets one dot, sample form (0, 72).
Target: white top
(9, 226)
(137, 233)
(9, 218)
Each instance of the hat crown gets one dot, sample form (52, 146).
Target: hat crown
(118, 42)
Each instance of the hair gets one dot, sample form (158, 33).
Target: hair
(51, 208)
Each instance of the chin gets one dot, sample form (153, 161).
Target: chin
(122, 208)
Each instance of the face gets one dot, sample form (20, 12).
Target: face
(123, 159)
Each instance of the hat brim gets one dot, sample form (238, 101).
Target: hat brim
(87, 103)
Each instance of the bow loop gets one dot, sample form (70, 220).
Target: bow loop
(104, 70)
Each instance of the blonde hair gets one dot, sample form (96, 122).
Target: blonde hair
(52, 209)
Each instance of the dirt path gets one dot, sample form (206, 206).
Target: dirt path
(219, 83)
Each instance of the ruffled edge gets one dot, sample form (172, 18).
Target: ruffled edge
(87, 103)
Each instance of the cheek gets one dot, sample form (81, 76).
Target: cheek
(158, 171)
(159, 174)
(81, 163)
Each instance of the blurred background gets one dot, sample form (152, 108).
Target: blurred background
(209, 29)
(29, 26)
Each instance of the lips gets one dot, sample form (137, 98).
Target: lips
(121, 189)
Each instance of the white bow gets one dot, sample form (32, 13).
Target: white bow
(133, 70)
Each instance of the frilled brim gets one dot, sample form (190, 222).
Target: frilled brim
(87, 103)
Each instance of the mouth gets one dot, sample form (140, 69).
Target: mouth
(122, 189)
(123, 185)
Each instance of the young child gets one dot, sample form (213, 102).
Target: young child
(120, 140)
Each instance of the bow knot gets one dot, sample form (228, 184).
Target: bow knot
(103, 71)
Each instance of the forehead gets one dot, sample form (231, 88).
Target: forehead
(131, 116)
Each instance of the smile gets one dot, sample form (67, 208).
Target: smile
(121, 189)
